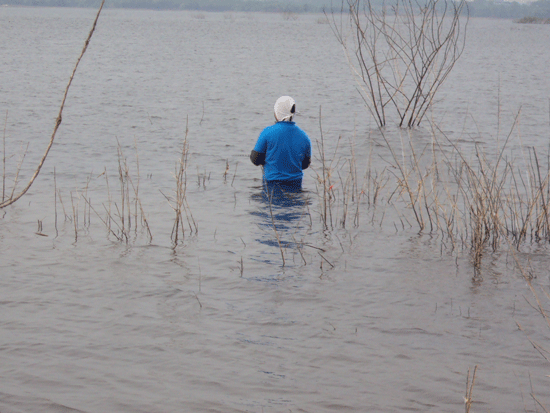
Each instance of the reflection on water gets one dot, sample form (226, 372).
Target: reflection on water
(282, 216)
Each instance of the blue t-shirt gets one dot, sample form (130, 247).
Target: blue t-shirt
(285, 146)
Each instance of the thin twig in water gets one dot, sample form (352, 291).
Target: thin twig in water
(75, 218)
(235, 173)
(468, 400)
(107, 225)
(299, 249)
(200, 274)
(325, 259)
(13, 199)
(538, 402)
(19, 166)
(4, 160)
(198, 299)
(55, 201)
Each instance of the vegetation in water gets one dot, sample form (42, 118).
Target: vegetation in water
(400, 59)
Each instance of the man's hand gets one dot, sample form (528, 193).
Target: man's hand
(306, 162)
(257, 158)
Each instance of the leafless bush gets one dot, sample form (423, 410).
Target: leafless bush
(400, 57)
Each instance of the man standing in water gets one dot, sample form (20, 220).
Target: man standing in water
(283, 149)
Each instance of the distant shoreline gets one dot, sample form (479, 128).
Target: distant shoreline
(537, 12)
(532, 20)
(297, 6)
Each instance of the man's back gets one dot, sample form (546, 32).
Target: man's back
(286, 146)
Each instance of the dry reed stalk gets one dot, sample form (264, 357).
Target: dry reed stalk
(323, 165)
(13, 198)
(200, 273)
(477, 201)
(123, 174)
(180, 204)
(235, 173)
(471, 200)
(339, 189)
(39, 229)
(422, 176)
(75, 218)
(55, 200)
(323, 257)
(121, 230)
(324, 179)
(18, 169)
(199, 301)
(541, 350)
(105, 222)
(4, 159)
(125, 219)
(300, 244)
(144, 221)
(539, 402)
(403, 182)
(356, 193)
(528, 277)
(66, 217)
(468, 398)
(139, 213)
(226, 171)
(87, 214)
(136, 187)
(299, 249)
(109, 199)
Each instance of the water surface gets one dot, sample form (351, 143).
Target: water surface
(369, 318)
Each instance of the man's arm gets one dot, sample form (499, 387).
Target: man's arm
(257, 158)
(306, 162)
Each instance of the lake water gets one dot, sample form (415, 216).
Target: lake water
(372, 317)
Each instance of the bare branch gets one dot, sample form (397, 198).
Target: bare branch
(13, 199)
(403, 57)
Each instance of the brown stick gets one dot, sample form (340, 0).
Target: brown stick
(55, 201)
(4, 160)
(469, 390)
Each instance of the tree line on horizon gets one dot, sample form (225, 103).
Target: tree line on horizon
(476, 8)
(296, 6)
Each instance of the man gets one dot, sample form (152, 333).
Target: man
(283, 149)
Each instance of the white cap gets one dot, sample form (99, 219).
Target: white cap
(285, 107)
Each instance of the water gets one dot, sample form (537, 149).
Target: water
(379, 318)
